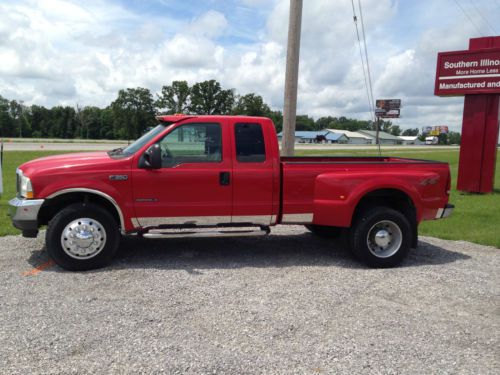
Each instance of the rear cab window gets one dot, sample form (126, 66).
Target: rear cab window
(250, 146)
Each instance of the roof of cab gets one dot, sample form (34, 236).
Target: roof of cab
(181, 117)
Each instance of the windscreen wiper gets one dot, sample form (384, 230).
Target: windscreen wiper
(115, 151)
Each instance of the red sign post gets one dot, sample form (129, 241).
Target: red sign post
(476, 74)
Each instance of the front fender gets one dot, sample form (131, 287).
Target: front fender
(116, 192)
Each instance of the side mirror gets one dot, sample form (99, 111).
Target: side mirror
(152, 157)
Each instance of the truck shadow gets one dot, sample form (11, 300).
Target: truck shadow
(196, 254)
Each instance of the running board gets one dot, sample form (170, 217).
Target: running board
(217, 232)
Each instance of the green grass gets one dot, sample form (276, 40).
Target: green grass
(12, 159)
(476, 217)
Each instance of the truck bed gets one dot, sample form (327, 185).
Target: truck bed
(353, 159)
(324, 190)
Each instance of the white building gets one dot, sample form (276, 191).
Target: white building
(384, 138)
(411, 140)
(354, 137)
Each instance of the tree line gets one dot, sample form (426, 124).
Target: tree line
(134, 111)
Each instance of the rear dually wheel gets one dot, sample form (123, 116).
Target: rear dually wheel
(381, 237)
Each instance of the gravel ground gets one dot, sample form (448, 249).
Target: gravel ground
(280, 304)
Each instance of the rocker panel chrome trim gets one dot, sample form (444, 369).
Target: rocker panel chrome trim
(183, 220)
(254, 219)
(203, 220)
(304, 218)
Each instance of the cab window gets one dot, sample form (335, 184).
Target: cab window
(192, 143)
(250, 146)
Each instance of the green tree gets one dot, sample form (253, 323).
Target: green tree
(6, 121)
(277, 118)
(91, 121)
(325, 122)
(443, 139)
(304, 122)
(133, 112)
(174, 98)
(410, 132)
(40, 119)
(395, 130)
(16, 113)
(251, 105)
(208, 98)
(454, 138)
(107, 122)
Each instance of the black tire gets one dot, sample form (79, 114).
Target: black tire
(324, 231)
(380, 224)
(103, 255)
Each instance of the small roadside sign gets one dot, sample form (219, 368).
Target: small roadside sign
(388, 108)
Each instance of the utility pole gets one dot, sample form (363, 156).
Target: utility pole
(291, 77)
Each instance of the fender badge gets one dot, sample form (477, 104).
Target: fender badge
(429, 181)
(118, 177)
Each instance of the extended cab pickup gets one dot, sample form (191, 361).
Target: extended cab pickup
(223, 175)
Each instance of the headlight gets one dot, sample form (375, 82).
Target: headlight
(24, 187)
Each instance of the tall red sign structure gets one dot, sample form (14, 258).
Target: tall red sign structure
(474, 73)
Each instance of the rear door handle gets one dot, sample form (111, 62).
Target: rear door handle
(224, 178)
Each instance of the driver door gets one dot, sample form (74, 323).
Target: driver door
(194, 184)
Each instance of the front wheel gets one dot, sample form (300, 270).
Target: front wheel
(381, 237)
(82, 237)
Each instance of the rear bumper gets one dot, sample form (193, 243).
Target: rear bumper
(24, 215)
(445, 212)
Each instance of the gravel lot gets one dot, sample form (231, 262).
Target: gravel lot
(280, 304)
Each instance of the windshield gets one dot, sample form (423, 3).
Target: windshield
(134, 147)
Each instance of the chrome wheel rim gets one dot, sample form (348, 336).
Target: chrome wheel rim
(384, 239)
(83, 238)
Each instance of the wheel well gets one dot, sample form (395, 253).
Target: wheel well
(52, 206)
(392, 198)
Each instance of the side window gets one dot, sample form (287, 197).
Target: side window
(250, 146)
(192, 143)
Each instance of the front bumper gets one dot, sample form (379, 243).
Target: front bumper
(445, 212)
(24, 215)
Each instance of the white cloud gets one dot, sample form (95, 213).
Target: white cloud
(64, 51)
(210, 24)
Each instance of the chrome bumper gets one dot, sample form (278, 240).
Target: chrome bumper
(445, 212)
(24, 215)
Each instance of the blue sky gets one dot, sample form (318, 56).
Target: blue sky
(82, 52)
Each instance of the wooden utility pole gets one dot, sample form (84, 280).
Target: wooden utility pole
(291, 78)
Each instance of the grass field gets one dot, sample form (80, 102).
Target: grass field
(476, 217)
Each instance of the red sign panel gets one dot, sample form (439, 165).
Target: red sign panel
(468, 72)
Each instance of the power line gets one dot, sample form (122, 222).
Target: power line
(369, 75)
(467, 15)
(366, 56)
(362, 61)
(483, 17)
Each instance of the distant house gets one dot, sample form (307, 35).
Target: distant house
(410, 140)
(354, 137)
(384, 138)
(322, 136)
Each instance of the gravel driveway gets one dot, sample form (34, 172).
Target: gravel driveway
(287, 303)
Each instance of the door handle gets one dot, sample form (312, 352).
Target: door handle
(224, 178)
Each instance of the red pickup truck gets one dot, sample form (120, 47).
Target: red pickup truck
(223, 176)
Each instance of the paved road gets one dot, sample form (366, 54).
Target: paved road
(60, 146)
(287, 303)
(88, 146)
